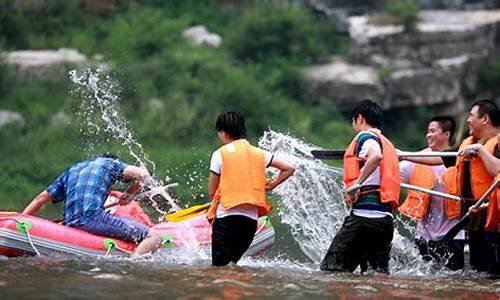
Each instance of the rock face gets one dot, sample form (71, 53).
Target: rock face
(200, 35)
(11, 117)
(44, 63)
(345, 82)
(341, 10)
(59, 120)
(435, 64)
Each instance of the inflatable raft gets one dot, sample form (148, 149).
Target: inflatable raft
(22, 234)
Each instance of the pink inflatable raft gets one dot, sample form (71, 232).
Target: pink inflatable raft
(187, 229)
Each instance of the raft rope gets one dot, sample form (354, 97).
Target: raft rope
(263, 225)
(22, 224)
(111, 244)
(108, 250)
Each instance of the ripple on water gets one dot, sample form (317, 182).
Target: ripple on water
(108, 276)
(232, 281)
(367, 288)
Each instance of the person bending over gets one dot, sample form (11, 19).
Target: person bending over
(84, 187)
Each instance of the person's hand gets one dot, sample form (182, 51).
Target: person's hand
(269, 185)
(351, 194)
(473, 210)
(125, 198)
(398, 153)
(470, 151)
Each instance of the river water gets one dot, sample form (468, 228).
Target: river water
(79, 278)
(308, 212)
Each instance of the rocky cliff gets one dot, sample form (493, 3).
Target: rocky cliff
(435, 64)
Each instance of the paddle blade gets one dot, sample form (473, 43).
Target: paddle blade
(328, 154)
(187, 213)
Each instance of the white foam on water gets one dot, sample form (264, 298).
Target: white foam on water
(311, 204)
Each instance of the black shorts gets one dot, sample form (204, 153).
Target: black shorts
(485, 251)
(360, 241)
(450, 254)
(231, 237)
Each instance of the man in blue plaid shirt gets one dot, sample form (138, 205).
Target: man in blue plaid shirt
(84, 188)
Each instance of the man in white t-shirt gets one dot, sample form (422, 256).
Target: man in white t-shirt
(371, 175)
(430, 211)
(237, 185)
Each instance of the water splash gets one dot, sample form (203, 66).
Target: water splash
(311, 203)
(310, 199)
(100, 111)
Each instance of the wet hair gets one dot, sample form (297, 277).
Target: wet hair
(109, 155)
(446, 123)
(489, 108)
(371, 111)
(232, 123)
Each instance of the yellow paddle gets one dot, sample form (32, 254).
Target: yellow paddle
(187, 213)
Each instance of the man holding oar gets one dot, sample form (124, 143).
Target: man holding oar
(84, 188)
(371, 177)
(434, 214)
(472, 178)
(474, 172)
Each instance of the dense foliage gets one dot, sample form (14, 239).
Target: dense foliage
(171, 90)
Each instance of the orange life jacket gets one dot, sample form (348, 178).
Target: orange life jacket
(416, 203)
(389, 169)
(242, 179)
(480, 182)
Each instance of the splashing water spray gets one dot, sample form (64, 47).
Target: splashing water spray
(311, 203)
(101, 115)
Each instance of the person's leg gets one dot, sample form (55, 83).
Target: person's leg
(242, 237)
(423, 249)
(454, 254)
(220, 248)
(149, 244)
(449, 254)
(494, 267)
(480, 251)
(231, 237)
(124, 229)
(379, 234)
(344, 253)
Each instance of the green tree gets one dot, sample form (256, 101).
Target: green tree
(403, 12)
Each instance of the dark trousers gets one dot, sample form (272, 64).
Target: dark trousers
(360, 241)
(449, 254)
(485, 251)
(231, 237)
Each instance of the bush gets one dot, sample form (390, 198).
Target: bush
(403, 12)
(268, 31)
(489, 75)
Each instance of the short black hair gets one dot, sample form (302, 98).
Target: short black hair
(371, 111)
(109, 155)
(446, 123)
(232, 123)
(489, 108)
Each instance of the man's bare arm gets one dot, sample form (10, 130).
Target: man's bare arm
(37, 203)
(286, 170)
